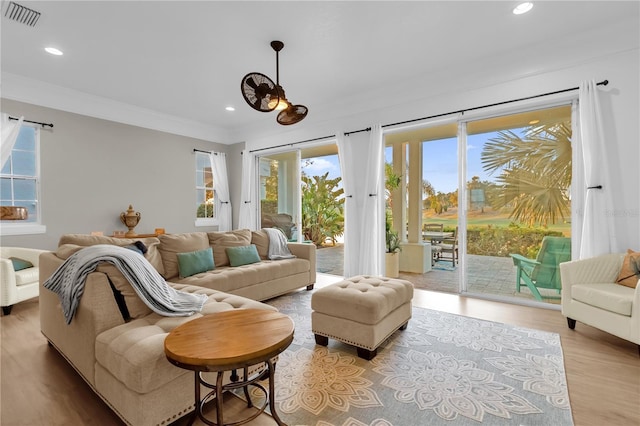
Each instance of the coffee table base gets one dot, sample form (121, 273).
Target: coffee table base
(218, 389)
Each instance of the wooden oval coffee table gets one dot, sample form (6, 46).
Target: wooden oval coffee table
(227, 341)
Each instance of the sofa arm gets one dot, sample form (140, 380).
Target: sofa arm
(305, 251)
(600, 269)
(96, 312)
(32, 255)
(8, 290)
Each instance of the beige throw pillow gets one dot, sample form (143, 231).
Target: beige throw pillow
(261, 240)
(172, 244)
(84, 240)
(219, 241)
(630, 271)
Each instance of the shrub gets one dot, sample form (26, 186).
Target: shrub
(498, 241)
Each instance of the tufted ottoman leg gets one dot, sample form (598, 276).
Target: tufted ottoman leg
(367, 354)
(322, 340)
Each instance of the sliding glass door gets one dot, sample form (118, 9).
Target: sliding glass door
(518, 208)
(279, 183)
(301, 193)
(493, 200)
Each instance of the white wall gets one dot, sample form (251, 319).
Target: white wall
(92, 169)
(620, 103)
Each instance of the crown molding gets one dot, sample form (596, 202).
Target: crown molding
(37, 92)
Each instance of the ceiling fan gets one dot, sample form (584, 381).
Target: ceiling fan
(263, 95)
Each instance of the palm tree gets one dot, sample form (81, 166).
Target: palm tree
(535, 171)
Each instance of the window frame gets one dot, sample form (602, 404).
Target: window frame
(28, 228)
(204, 221)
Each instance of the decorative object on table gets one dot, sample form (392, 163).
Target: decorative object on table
(263, 95)
(13, 213)
(159, 231)
(130, 219)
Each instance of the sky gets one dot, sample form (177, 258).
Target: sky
(440, 162)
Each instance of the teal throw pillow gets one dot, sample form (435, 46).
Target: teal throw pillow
(195, 262)
(20, 264)
(243, 255)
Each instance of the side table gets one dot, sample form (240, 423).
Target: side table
(227, 341)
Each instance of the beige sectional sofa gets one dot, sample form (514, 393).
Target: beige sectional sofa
(116, 343)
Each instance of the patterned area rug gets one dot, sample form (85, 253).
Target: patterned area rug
(444, 369)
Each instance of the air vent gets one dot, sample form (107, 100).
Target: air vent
(22, 14)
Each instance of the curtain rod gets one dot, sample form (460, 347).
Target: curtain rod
(602, 83)
(368, 129)
(293, 143)
(462, 111)
(206, 152)
(33, 122)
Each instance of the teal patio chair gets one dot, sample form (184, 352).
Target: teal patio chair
(543, 271)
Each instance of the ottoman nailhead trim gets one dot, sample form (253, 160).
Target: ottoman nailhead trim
(345, 340)
(358, 344)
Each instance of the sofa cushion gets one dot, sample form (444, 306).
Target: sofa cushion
(220, 241)
(230, 279)
(261, 240)
(195, 262)
(66, 250)
(611, 297)
(134, 352)
(27, 276)
(630, 271)
(135, 307)
(172, 244)
(243, 255)
(152, 243)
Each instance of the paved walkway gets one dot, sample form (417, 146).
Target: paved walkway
(486, 274)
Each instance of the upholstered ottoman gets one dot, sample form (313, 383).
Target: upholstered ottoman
(362, 311)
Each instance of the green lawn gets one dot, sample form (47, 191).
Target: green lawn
(475, 218)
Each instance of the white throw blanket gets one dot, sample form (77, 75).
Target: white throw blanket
(69, 279)
(278, 248)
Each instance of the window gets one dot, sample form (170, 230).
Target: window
(20, 183)
(205, 200)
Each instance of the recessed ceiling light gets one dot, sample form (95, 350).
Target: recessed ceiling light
(230, 108)
(53, 51)
(522, 8)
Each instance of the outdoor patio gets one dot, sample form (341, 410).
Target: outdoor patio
(487, 274)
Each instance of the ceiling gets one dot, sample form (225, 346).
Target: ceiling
(185, 59)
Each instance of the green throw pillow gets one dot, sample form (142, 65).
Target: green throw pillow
(20, 264)
(243, 255)
(195, 262)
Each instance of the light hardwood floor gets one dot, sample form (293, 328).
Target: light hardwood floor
(38, 387)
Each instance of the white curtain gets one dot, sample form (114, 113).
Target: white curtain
(597, 226)
(247, 219)
(10, 132)
(221, 188)
(362, 166)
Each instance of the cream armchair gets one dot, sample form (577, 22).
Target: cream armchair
(590, 295)
(21, 285)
